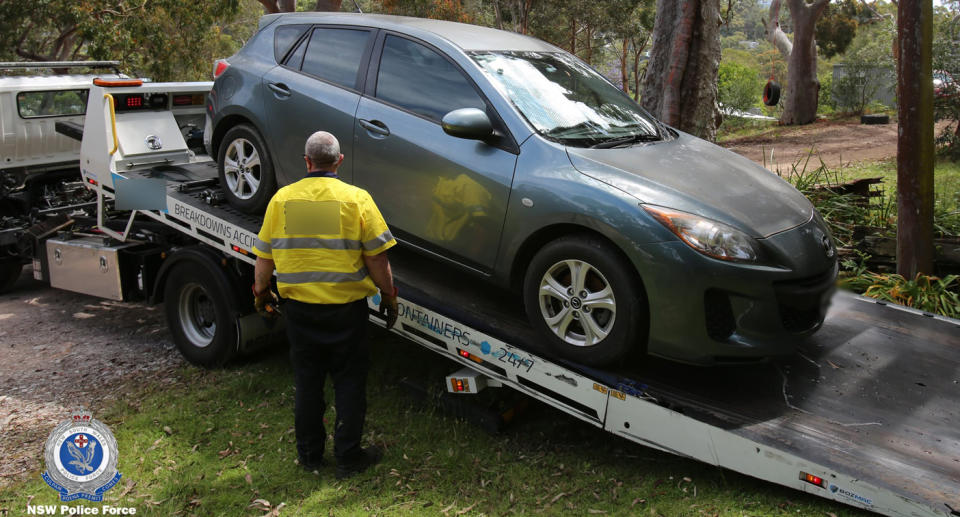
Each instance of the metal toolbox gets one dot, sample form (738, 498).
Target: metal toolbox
(86, 265)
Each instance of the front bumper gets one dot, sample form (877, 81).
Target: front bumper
(708, 311)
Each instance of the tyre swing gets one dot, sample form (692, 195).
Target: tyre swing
(771, 91)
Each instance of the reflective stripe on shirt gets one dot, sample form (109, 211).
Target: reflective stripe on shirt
(378, 241)
(262, 246)
(288, 243)
(306, 277)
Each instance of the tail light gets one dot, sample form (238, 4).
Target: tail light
(219, 67)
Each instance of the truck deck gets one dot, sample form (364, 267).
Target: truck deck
(872, 394)
(865, 413)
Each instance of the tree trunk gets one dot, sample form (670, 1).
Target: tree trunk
(680, 87)
(803, 88)
(327, 5)
(636, 72)
(589, 54)
(278, 6)
(624, 72)
(915, 147)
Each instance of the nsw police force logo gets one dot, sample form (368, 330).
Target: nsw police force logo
(81, 459)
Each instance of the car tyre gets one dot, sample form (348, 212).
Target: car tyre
(246, 170)
(201, 315)
(771, 93)
(586, 299)
(875, 119)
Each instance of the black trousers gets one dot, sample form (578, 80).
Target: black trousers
(328, 339)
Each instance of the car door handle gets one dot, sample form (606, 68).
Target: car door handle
(280, 89)
(375, 126)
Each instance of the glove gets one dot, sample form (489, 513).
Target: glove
(388, 307)
(266, 303)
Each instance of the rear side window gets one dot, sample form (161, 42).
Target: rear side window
(52, 103)
(284, 38)
(335, 54)
(420, 80)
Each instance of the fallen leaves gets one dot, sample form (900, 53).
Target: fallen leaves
(82, 315)
(226, 452)
(127, 487)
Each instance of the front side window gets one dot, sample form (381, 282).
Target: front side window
(567, 101)
(335, 54)
(420, 80)
(52, 103)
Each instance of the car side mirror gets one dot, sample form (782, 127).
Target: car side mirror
(469, 123)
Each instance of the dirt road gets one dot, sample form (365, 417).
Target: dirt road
(60, 351)
(835, 142)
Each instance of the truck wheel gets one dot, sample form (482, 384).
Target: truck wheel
(246, 171)
(9, 273)
(201, 315)
(585, 298)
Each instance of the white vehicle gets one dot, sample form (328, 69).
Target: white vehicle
(866, 416)
(37, 164)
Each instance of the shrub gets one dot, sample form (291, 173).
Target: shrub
(826, 103)
(927, 293)
(946, 104)
(739, 86)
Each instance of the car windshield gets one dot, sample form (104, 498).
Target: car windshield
(566, 101)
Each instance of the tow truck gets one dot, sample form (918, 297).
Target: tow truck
(865, 414)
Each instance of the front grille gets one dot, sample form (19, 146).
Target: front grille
(798, 320)
(801, 301)
(719, 315)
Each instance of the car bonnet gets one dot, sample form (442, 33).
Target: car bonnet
(695, 176)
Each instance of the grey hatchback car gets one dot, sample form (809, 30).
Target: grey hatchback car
(513, 160)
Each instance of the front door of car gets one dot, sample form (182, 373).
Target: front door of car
(444, 194)
(315, 89)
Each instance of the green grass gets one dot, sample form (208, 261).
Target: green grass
(217, 441)
(734, 128)
(946, 177)
(946, 185)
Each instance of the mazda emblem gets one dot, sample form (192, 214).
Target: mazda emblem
(827, 246)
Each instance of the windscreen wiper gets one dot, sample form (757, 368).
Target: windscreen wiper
(616, 142)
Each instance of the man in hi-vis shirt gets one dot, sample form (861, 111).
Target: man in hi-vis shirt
(327, 241)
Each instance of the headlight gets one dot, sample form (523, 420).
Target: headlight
(709, 237)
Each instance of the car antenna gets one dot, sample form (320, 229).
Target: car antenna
(359, 10)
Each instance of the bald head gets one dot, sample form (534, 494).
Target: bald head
(323, 151)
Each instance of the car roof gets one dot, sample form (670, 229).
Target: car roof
(467, 37)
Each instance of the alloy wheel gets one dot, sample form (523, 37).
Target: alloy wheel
(577, 303)
(241, 168)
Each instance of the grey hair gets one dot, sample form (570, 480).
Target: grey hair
(322, 148)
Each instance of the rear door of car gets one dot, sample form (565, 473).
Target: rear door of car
(443, 194)
(316, 87)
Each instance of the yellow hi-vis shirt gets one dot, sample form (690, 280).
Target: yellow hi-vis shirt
(316, 231)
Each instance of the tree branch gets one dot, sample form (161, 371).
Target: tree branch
(775, 34)
(269, 6)
(31, 56)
